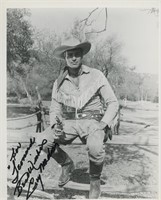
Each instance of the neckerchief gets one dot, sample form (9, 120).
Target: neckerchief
(61, 77)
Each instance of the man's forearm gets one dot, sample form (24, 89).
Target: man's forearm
(55, 111)
(110, 113)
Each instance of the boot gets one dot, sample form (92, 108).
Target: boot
(65, 176)
(95, 188)
(95, 185)
(66, 163)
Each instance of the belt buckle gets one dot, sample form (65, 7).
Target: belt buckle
(79, 115)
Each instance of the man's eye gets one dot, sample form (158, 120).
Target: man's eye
(70, 55)
(78, 54)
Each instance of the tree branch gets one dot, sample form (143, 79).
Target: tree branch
(87, 18)
(105, 27)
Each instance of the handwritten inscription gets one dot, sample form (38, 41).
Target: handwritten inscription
(26, 179)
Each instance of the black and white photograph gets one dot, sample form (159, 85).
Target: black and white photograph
(82, 103)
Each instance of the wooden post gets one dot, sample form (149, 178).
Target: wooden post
(43, 119)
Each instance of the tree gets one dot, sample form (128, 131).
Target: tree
(47, 67)
(107, 54)
(154, 11)
(149, 87)
(19, 44)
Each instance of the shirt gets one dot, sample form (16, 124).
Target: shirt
(93, 92)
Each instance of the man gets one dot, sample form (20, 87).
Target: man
(78, 99)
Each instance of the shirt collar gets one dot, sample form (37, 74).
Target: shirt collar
(85, 70)
(64, 75)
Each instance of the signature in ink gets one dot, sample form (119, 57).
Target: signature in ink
(26, 178)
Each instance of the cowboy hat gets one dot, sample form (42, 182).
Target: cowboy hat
(70, 45)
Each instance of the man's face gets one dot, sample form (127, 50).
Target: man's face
(74, 58)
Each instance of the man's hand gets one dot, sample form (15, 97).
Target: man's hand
(58, 128)
(58, 131)
(108, 132)
(102, 124)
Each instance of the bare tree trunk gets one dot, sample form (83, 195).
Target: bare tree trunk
(16, 90)
(146, 96)
(142, 96)
(25, 88)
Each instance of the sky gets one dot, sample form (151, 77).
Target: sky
(135, 28)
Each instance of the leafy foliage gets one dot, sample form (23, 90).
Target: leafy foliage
(19, 39)
(19, 44)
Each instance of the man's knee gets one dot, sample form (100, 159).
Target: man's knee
(96, 149)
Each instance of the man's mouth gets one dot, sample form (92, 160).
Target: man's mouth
(74, 63)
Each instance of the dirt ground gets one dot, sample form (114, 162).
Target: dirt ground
(131, 162)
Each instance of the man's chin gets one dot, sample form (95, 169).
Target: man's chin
(74, 66)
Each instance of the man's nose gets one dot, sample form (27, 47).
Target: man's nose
(74, 57)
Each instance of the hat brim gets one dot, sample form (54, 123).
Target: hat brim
(59, 51)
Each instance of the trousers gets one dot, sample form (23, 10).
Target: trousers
(87, 130)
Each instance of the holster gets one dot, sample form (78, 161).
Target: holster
(108, 134)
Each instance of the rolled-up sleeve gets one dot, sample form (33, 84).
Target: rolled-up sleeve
(56, 107)
(111, 102)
